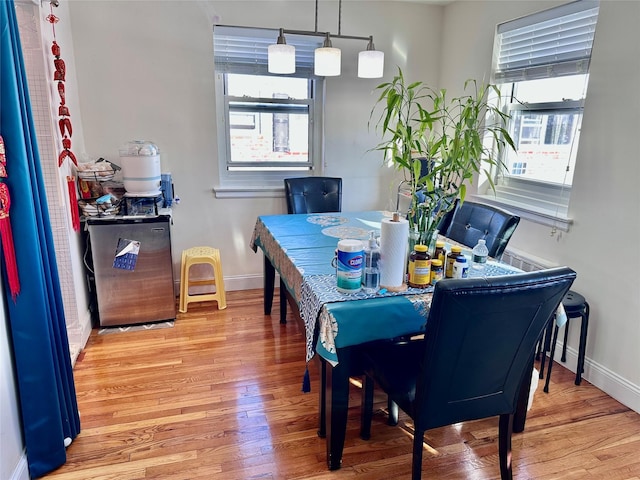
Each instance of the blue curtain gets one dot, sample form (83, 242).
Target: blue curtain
(44, 375)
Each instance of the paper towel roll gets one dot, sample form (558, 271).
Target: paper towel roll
(394, 239)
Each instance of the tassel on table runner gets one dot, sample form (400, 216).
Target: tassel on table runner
(306, 381)
(7, 242)
(73, 203)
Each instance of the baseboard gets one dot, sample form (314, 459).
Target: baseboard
(21, 472)
(85, 332)
(245, 282)
(601, 377)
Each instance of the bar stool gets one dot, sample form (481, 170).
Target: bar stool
(201, 256)
(575, 306)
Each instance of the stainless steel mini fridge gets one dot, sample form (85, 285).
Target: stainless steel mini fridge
(132, 269)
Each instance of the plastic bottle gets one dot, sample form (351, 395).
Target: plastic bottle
(371, 275)
(460, 267)
(440, 252)
(437, 271)
(419, 267)
(479, 255)
(456, 251)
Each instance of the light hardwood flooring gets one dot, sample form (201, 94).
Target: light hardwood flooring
(218, 396)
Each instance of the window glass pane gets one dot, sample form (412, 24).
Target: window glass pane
(263, 86)
(557, 89)
(269, 137)
(546, 143)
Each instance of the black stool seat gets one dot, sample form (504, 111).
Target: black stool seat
(573, 302)
(575, 306)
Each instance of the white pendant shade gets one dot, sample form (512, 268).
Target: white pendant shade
(370, 64)
(282, 58)
(327, 61)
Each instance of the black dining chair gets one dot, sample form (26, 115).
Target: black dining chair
(478, 347)
(313, 194)
(472, 221)
(309, 195)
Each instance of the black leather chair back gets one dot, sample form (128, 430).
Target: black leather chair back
(473, 221)
(480, 338)
(313, 194)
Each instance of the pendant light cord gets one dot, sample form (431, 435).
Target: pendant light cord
(316, 26)
(339, 18)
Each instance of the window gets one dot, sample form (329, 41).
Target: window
(269, 126)
(541, 64)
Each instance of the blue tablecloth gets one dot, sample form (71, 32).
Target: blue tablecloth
(301, 248)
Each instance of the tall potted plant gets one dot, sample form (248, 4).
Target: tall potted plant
(458, 137)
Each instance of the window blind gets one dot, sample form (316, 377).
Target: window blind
(554, 42)
(244, 49)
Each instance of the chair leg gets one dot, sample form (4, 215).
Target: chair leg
(367, 408)
(563, 358)
(416, 462)
(504, 446)
(583, 344)
(548, 332)
(539, 348)
(553, 352)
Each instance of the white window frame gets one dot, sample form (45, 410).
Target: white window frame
(542, 202)
(235, 183)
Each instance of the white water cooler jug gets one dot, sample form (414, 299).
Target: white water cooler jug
(140, 162)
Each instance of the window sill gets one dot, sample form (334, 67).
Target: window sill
(534, 214)
(247, 191)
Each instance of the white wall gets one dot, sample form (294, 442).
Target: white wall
(605, 196)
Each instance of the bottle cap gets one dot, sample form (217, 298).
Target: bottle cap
(456, 249)
(439, 244)
(436, 263)
(420, 248)
(461, 259)
(372, 240)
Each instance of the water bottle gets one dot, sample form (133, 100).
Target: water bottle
(371, 275)
(479, 255)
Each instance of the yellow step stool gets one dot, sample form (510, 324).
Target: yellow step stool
(199, 256)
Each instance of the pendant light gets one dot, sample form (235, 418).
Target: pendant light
(327, 59)
(281, 57)
(370, 62)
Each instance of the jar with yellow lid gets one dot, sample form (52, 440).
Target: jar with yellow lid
(456, 251)
(419, 267)
(437, 272)
(440, 252)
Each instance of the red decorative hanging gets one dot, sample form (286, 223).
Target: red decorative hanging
(64, 124)
(5, 229)
(73, 199)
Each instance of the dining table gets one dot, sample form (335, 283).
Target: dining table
(300, 248)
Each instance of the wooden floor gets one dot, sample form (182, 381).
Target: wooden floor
(218, 396)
